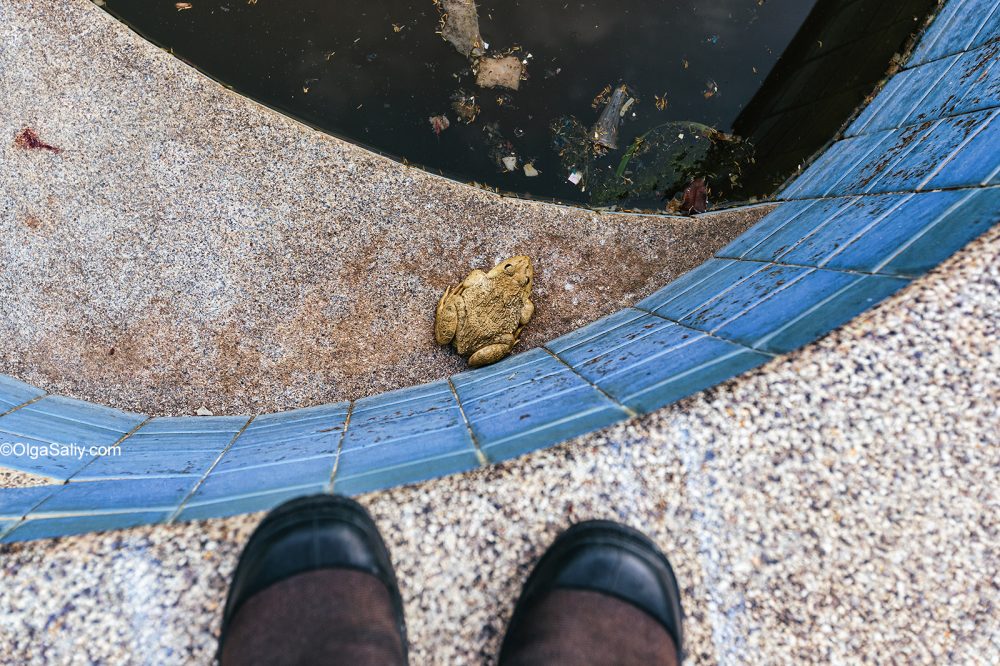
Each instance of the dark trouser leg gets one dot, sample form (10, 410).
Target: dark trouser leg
(328, 616)
(589, 628)
(314, 585)
(602, 594)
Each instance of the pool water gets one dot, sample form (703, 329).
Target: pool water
(378, 73)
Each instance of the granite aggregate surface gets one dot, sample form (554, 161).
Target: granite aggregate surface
(837, 505)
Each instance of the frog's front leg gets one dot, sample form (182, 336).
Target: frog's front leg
(527, 312)
(493, 352)
(446, 318)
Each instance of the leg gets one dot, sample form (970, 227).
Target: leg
(314, 585)
(527, 312)
(446, 318)
(602, 594)
(492, 353)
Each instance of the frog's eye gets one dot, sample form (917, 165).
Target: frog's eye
(509, 269)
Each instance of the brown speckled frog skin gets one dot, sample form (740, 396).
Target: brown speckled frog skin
(483, 317)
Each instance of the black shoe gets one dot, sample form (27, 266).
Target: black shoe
(608, 558)
(306, 534)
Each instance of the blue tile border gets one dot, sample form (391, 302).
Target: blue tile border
(915, 177)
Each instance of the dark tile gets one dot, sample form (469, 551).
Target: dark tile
(778, 309)
(47, 528)
(15, 503)
(785, 238)
(887, 236)
(270, 478)
(148, 463)
(246, 503)
(833, 234)
(947, 234)
(14, 393)
(117, 495)
(743, 296)
(677, 386)
(831, 312)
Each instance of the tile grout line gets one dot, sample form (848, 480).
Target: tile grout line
(889, 133)
(712, 335)
(604, 352)
(917, 143)
(769, 296)
(923, 232)
(173, 516)
(340, 445)
(118, 442)
(822, 225)
(640, 313)
(930, 88)
(716, 296)
(805, 313)
(701, 367)
(22, 405)
(674, 297)
(480, 455)
(847, 195)
(864, 230)
(813, 203)
(951, 156)
(628, 410)
(944, 30)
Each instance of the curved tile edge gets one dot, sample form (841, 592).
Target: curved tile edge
(913, 179)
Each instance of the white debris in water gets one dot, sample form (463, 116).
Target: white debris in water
(575, 177)
(530, 171)
(510, 162)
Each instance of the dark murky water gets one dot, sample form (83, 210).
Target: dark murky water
(376, 71)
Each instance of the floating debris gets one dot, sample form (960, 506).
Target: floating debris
(501, 151)
(181, 6)
(575, 177)
(711, 89)
(602, 97)
(397, 27)
(28, 139)
(668, 158)
(605, 130)
(712, 39)
(571, 141)
(505, 71)
(505, 101)
(465, 107)
(695, 197)
(460, 26)
(439, 123)
(530, 171)
(661, 101)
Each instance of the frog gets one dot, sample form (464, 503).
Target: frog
(484, 315)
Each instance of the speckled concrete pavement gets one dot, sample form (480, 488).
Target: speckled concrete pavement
(839, 505)
(189, 247)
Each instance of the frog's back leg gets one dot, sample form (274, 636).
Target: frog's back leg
(492, 353)
(446, 318)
